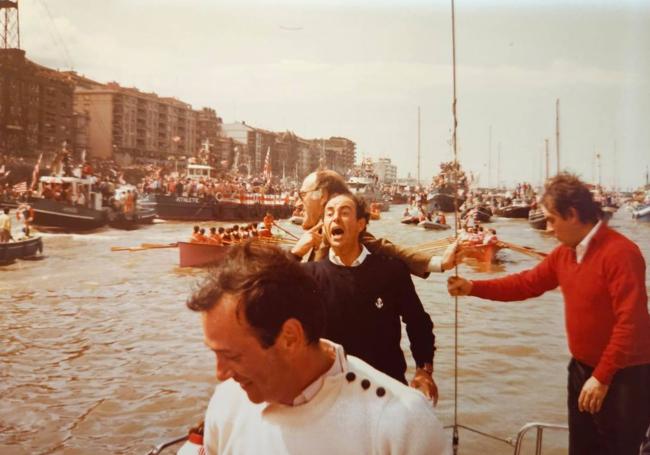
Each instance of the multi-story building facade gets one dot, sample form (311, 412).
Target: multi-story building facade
(126, 124)
(36, 106)
(385, 170)
(208, 130)
(336, 153)
(250, 157)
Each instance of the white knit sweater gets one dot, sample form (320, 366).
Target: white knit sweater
(343, 418)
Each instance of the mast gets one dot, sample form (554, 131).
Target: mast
(546, 159)
(557, 133)
(418, 145)
(489, 179)
(498, 164)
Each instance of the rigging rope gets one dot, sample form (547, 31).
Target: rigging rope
(456, 221)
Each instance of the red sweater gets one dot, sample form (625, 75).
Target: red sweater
(606, 303)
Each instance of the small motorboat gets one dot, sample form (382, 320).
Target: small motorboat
(30, 248)
(410, 220)
(430, 225)
(642, 214)
(537, 220)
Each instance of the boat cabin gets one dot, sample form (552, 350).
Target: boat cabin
(361, 185)
(78, 188)
(199, 171)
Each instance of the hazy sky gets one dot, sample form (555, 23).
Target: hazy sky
(360, 69)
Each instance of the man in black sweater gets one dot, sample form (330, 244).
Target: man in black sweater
(366, 297)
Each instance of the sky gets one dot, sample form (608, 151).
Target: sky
(360, 69)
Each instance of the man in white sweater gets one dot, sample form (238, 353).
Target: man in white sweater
(283, 389)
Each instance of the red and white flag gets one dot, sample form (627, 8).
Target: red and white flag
(267, 165)
(37, 167)
(20, 187)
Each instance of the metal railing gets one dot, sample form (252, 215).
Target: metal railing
(540, 432)
(516, 442)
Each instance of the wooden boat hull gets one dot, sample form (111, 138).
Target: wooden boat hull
(200, 254)
(513, 211)
(22, 249)
(443, 201)
(482, 214)
(484, 253)
(430, 225)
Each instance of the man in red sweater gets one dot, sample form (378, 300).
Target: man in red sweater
(602, 277)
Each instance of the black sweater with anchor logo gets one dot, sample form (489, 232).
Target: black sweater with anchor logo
(364, 306)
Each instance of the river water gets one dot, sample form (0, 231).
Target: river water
(99, 354)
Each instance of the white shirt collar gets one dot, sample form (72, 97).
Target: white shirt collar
(338, 366)
(357, 262)
(582, 247)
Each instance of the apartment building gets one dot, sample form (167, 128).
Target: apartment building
(336, 153)
(126, 124)
(36, 106)
(385, 170)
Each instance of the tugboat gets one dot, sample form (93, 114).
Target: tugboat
(68, 203)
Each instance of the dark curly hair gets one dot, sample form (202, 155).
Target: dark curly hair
(566, 191)
(272, 287)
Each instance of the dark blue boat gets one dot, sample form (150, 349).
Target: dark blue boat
(22, 249)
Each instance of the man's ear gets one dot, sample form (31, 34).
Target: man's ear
(291, 336)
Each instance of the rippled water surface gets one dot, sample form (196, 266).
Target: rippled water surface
(99, 354)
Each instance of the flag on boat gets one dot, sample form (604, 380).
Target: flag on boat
(37, 167)
(20, 187)
(267, 165)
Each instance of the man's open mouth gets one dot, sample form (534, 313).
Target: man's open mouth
(337, 231)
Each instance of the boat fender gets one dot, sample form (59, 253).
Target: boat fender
(218, 197)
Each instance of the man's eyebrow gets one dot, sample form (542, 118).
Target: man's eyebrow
(218, 351)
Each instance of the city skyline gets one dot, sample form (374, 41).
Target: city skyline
(360, 71)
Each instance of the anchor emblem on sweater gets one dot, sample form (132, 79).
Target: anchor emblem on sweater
(379, 303)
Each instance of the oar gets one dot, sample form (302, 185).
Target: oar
(144, 246)
(159, 245)
(284, 230)
(127, 248)
(524, 249)
(436, 243)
